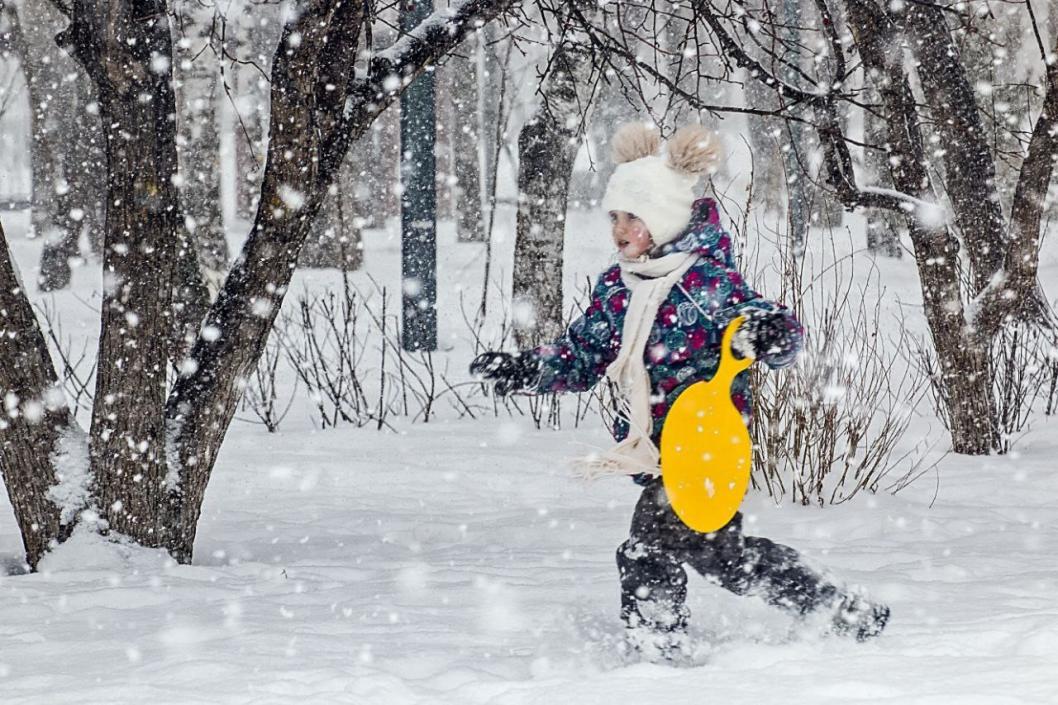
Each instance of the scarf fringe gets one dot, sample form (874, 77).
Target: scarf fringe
(625, 459)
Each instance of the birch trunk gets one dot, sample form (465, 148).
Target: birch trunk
(197, 76)
(547, 147)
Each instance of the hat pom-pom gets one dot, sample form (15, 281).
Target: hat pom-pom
(634, 141)
(694, 149)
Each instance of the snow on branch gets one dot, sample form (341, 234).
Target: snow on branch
(432, 38)
(393, 68)
(929, 214)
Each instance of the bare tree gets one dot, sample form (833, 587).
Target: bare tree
(151, 455)
(1003, 255)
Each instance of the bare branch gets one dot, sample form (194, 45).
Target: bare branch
(831, 33)
(743, 59)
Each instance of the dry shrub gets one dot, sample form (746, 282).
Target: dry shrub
(828, 427)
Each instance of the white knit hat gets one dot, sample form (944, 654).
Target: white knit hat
(659, 190)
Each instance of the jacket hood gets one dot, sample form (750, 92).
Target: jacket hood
(703, 235)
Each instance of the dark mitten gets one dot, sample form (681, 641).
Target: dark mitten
(509, 372)
(767, 334)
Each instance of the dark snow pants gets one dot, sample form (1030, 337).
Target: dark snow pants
(654, 583)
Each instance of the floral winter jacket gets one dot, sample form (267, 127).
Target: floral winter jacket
(684, 344)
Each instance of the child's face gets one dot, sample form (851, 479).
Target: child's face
(630, 234)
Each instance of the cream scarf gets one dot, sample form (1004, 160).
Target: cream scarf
(650, 282)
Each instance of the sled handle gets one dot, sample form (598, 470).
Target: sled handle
(729, 364)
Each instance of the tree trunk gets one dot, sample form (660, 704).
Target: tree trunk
(969, 168)
(827, 211)
(463, 140)
(490, 113)
(35, 421)
(883, 225)
(335, 241)
(128, 423)
(85, 161)
(196, 73)
(445, 126)
(374, 168)
(201, 247)
(52, 100)
(127, 51)
(795, 155)
(258, 31)
(610, 109)
(964, 384)
(764, 136)
(547, 147)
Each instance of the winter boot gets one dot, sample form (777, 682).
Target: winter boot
(856, 616)
(659, 646)
(657, 626)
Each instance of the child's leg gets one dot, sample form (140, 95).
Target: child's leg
(650, 562)
(773, 571)
(653, 588)
(754, 565)
(654, 584)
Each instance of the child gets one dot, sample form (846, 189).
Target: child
(654, 327)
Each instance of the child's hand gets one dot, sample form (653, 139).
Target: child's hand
(509, 373)
(761, 334)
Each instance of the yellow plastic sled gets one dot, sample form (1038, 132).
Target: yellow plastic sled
(706, 452)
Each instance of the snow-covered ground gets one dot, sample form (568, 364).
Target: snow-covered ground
(459, 562)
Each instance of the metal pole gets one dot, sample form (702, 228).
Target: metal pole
(418, 213)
